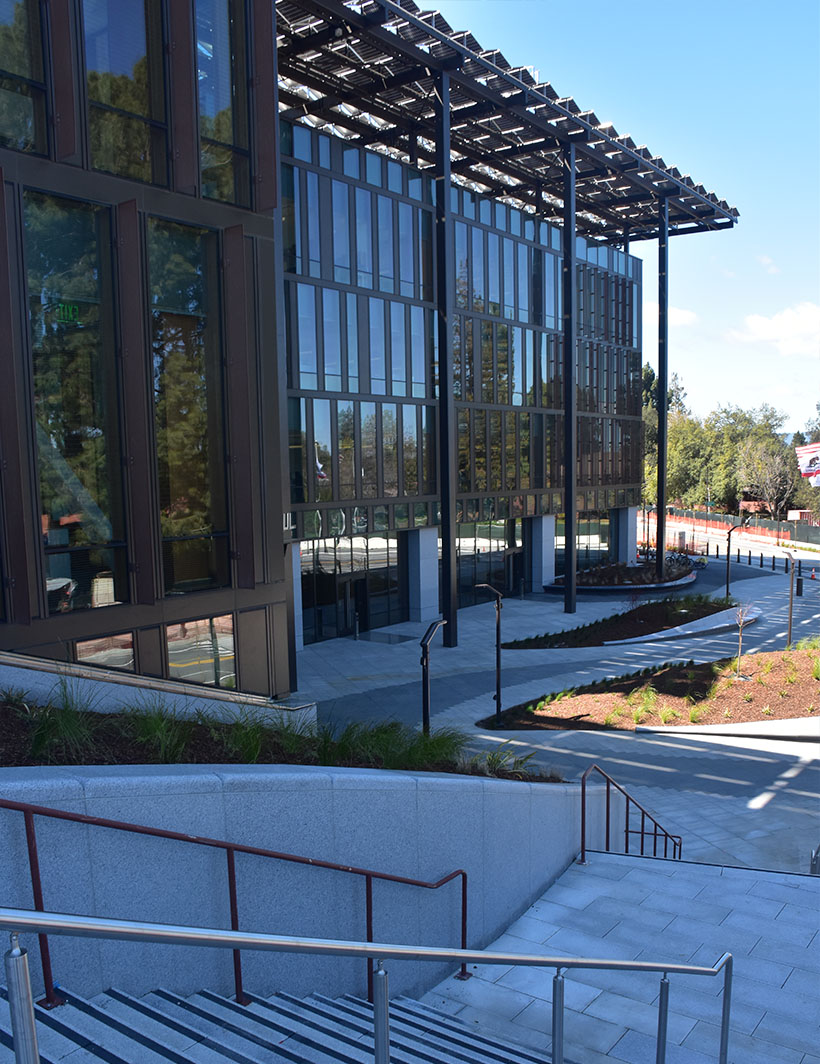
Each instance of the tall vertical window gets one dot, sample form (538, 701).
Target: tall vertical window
(188, 406)
(76, 419)
(126, 88)
(341, 232)
(22, 88)
(222, 78)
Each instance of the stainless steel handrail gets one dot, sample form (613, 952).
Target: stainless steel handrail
(20, 921)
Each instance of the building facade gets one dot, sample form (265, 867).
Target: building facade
(265, 374)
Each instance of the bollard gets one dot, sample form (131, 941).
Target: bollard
(761, 559)
(750, 557)
(381, 1017)
(773, 559)
(799, 589)
(21, 1004)
(717, 550)
(799, 566)
(738, 554)
(785, 565)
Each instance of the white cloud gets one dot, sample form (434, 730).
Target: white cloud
(768, 264)
(793, 331)
(678, 317)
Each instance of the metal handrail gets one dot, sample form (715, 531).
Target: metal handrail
(655, 833)
(20, 921)
(29, 811)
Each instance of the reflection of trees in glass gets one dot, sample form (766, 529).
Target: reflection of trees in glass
(74, 381)
(22, 106)
(187, 384)
(127, 109)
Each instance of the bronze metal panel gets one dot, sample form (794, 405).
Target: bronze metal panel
(19, 560)
(182, 89)
(238, 403)
(64, 85)
(252, 651)
(266, 174)
(136, 411)
(151, 652)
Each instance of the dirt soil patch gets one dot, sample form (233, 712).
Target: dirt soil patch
(775, 686)
(644, 619)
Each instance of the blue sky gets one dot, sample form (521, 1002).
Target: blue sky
(731, 95)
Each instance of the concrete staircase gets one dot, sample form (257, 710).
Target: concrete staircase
(207, 1028)
(630, 908)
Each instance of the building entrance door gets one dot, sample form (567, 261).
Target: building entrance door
(352, 600)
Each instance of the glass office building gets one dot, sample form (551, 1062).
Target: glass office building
(269, 365)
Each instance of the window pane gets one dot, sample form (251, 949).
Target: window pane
(202, 651)
(188, 404)
(332, 339)
(398, 358)
(377, 344)
(386, 273)
(110, 651)
(389, 450)
(411, 455)
(346, 433)
(297, 450)
(368, 434)
(22, 91)
(306, 304)
(364, 238)
(223, 104)
(322, 450)
(77, 425)
(126, 90)
(341, 233)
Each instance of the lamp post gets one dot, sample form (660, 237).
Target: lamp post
(425, 642)
(498, 598)
(791, 595)
(742, 524)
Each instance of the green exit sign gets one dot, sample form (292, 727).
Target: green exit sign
(68, 313)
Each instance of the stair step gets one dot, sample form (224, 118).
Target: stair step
(299, 1033)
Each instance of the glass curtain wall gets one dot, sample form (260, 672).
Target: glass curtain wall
(126, 88)
(188, 406)
(222, 78)
(22, 85)
(76, 413)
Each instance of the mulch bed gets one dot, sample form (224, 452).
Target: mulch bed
(644, 619)
(773, 686)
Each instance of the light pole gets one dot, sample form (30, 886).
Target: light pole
(790, 556)
(498, 598)
(426, 640)
(742, 524)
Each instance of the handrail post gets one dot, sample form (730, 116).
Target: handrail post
(726, 1011)
(626, 824)
(381, 1017)
(558, 1017)
(462, 972)
(643, 830)
(608, 811)
(51, 1000)
(663, 1021)
(583, 819)
(368, 888)
(237, 957)
(21, 1004)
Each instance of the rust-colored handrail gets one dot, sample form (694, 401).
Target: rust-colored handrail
(29, 812)
(656, 832)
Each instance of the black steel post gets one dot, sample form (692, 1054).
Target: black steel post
(498, 598)
(663, 377)
(425, 688)
(424, 643)
(570, 394)
(446, 404)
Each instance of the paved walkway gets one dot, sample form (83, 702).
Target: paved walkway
(652, 910)
(735, 798)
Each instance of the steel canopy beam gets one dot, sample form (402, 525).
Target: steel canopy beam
(570, 392)
(446, 402)
(663, 378)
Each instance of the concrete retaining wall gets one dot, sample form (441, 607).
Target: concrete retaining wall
(512, 838)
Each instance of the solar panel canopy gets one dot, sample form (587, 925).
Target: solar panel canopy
(369, 71)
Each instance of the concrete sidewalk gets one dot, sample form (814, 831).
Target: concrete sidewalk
(737, 799)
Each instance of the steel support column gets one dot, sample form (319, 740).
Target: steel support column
(570, 392)
(446, 404)
(663, 377)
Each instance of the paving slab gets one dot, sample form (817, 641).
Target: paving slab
(775, 1005)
